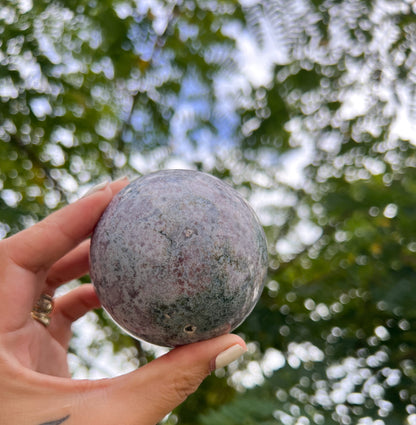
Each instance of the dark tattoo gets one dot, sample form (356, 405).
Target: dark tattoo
(57, 422)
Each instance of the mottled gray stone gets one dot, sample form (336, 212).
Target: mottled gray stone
(177, 257)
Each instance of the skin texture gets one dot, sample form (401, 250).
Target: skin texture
(178, 257)
(35, 386)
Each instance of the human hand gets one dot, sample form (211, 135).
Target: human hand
(35, 385)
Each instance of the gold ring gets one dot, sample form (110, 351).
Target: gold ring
(42, 309)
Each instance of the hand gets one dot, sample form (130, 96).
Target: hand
(35, 386)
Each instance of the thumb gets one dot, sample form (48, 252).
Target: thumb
(148, 394)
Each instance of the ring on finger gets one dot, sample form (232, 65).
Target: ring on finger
(42, 309)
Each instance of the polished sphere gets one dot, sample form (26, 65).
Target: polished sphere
(177, 257)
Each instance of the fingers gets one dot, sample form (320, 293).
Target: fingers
(142, 397)
(147, 395)
(70, 307)
(38, 247)
(75, 304)
(26, 257)
(73, 265)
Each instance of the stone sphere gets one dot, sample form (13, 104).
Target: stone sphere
(177, 257)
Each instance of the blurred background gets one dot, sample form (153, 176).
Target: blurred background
(308, 108)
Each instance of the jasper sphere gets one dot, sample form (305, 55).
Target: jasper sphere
(177, 257)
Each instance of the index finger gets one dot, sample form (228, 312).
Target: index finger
(41, 245)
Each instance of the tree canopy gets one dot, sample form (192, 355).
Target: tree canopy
(308, 108)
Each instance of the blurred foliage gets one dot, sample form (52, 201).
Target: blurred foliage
(308, 108)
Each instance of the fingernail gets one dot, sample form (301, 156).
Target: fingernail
(228, 356)
(96, 188)
(120, 179)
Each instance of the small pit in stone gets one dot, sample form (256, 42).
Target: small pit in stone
(189, 329)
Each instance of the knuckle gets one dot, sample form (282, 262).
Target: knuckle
(185, 384)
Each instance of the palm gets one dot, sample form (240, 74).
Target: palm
(34, 346)
(42, 351)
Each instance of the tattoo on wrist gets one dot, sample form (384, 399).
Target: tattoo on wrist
(56, 422)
